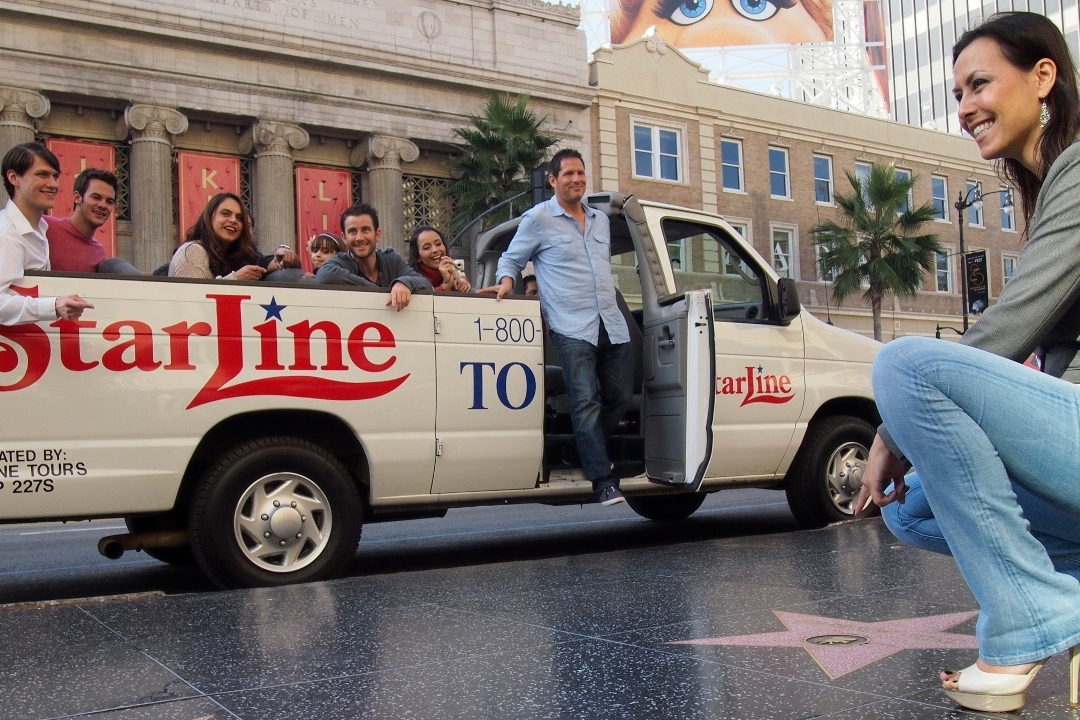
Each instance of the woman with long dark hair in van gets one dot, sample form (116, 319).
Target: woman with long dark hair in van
(221, 244)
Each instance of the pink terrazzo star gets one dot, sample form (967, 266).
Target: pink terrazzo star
(884, 638)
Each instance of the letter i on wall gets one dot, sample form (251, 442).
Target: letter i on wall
(322, 194)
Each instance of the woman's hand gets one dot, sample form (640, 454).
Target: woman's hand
(448, 269)
(286, 258)
(249, 272)
(882, 467)
(461, 283)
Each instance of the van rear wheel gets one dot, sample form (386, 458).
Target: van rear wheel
(666, 508)
(826, 476)
(274, 511)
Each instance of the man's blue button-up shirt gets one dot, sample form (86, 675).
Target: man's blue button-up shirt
(573, 271)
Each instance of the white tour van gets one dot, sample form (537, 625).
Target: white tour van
(252, 428)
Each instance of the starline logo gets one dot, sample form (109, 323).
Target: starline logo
(133, 348)
(756, 387)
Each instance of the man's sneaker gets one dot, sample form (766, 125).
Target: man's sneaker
(611, 496)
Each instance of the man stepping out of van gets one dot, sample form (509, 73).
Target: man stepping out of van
(569, 244)
(31, 173)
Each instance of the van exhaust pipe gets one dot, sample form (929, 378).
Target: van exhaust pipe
(113, 546)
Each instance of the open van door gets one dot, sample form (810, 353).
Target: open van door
(680, 367)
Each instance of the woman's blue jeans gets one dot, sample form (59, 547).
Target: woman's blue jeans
(997, 450)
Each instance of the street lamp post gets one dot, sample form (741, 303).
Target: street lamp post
(963, 202)
(973, 198)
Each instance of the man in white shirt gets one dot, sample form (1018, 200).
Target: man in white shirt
(30, 175)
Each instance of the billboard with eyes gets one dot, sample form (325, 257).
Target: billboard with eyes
(827, 52)
(723, 23)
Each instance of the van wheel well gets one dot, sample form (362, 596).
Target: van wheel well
(323, 429)
(855, 406)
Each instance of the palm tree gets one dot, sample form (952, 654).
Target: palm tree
(878, 244)
(502, 145)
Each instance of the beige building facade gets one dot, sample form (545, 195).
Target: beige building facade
(663, 132)
(369, 86)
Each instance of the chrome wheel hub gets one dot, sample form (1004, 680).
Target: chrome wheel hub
(282, 522)
(844, 474)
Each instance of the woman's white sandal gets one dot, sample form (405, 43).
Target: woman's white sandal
(1000, 692)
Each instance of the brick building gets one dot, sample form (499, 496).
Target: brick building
(663, 132)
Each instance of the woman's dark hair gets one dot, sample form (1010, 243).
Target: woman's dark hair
(414, 243)
(1025, 38)
(326, 242)
(224, 257)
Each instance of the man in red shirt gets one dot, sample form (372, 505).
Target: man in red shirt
(72, 246)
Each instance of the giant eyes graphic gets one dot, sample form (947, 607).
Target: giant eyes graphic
(754, 9)
(689, 12)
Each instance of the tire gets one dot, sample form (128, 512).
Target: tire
(289, 489)
(666, 508)
(175, 556)
(826, 476)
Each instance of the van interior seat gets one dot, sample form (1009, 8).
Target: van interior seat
(553, 377)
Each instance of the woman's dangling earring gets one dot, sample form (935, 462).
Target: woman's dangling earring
(1044, 115)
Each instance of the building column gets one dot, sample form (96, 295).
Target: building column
(19, 111)
(707, 140)
(151, 180)
(383, 156)
(275, 184)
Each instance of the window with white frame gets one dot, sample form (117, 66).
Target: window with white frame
(783, 250)
(829, 276)
(975, 212)
(862, 174)
(733, 265)
(779, 182)
(657, 152)
(905, 176)
(731, 164)
(939, 190)
(823, 180)
(944, 275)
(1008, 210)
(1009, 263)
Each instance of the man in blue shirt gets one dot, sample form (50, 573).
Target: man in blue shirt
(569, 244)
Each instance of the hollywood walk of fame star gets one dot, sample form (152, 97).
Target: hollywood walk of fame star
(840, 658)
(273, 310)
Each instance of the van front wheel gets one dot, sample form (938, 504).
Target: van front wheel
(826, 476)
(274, 511)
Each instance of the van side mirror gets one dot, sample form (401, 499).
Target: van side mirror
(788, 305)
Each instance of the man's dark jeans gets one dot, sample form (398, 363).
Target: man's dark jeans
(600, 382)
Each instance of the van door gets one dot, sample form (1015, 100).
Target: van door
(489, 417)
(760, 380)
(678, 379)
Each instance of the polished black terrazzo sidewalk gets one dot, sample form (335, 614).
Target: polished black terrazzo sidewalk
(586, 636)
